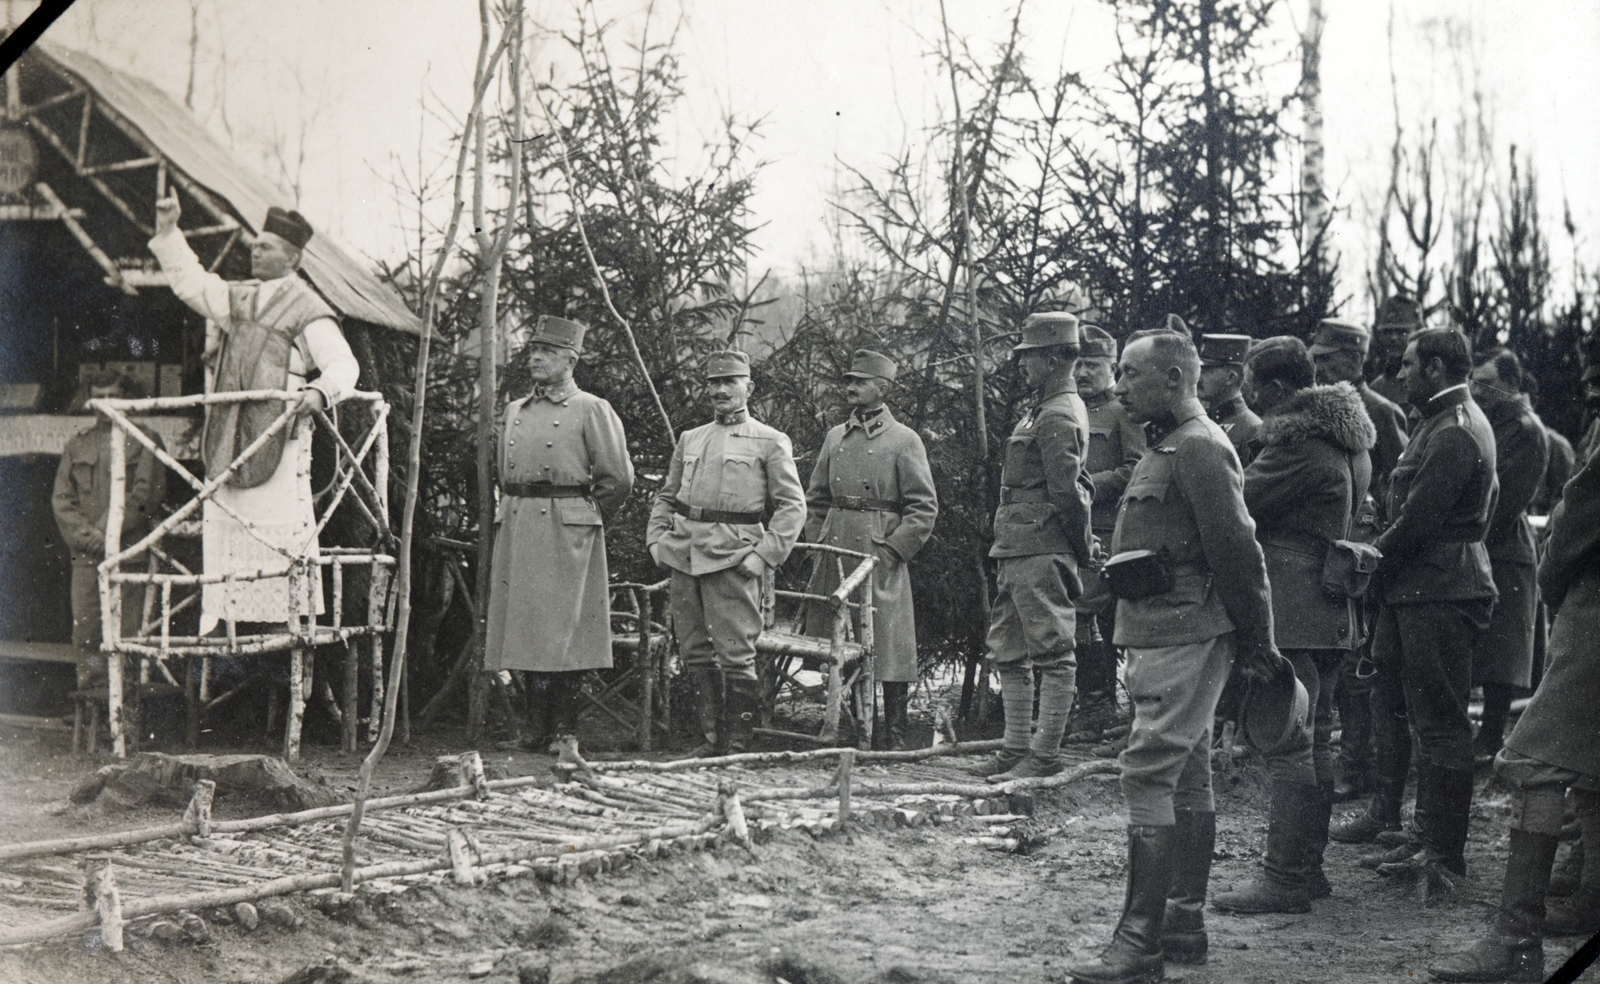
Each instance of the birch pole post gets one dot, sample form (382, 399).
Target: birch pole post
(492, 249)
(488, 60)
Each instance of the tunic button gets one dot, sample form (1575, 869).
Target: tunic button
(557, 423)
(512, 441)
(543, 511)
(516, 422)
(549, 444)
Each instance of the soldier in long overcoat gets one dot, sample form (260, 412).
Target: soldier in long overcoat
(1502, 659)
(1303, 490)
(564, 472)
(1554, 748)
(872, 491)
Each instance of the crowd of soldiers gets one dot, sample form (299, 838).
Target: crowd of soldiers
(1230, 530)
(1235, 530)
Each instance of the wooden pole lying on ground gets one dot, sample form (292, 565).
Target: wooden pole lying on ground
(751, 758)
(80, 922)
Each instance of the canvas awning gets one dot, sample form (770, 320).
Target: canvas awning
(147, 115)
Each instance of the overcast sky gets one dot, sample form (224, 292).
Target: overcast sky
(834, 79)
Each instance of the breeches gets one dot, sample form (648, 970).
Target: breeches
(1431, 645)
(1033, 618)
(717, 618)
(1539, 798)
(1167, 764)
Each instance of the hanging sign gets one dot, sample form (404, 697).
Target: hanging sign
(19, 160)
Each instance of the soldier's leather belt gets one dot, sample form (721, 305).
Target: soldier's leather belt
(714, 515)
(1009, 495)
(863, 504)
(545, 490)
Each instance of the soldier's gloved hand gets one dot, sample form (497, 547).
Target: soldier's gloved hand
(752, 565)
(1262, 661)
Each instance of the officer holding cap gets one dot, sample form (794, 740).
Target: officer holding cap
(730, 510)
(872, 491)
(1199, 597)
(1041, 539)
(1221, 376)
(564, 472)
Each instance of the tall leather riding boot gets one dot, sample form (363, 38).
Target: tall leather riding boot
(1392, 745)
(1492, 726)
(1514, 949)
(540, 729)
(1452, 806)
(1281, 886)
(1580, 915)
(743, 703)
(1444, 805)
(1317, 885)
(708, 710)
(896, 697)
(563, 693)
(1135, 955)
(1183, 931)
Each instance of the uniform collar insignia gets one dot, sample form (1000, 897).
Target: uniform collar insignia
(1098, 400)
(872, 422)
(1225, 410)
(739, 416)
(558, 393)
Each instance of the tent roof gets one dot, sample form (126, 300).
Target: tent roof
(347, 283)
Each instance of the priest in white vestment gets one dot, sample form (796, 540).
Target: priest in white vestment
(269, 333)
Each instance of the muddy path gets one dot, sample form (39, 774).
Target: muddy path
(865, 903)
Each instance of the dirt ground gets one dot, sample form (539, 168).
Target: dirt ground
(868, 903)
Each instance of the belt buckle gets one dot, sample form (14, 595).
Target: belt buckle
(849, 501)
(697, 514)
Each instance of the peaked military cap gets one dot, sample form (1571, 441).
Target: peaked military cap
(559, 332)
(1047, 329)
(1224, 350)
(1334, 335)
(1097, 343)
(288, 225)
(729, 363)
(1399, 313)
(869, 363)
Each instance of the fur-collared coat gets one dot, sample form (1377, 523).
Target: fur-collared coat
(1302, 490)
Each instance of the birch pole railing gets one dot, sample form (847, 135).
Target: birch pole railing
(302, 566)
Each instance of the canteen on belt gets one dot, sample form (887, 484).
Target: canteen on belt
(1273, 711)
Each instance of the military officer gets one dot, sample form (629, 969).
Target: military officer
(564, 472)
(1553, 748)
(1196, 597)
(1398, 317)
(1437, 591)
(80, 502)
(1502, 663)
(1304, 490)
(730, 510)
(1116, 444)
(1041, 540)
(1339, 352)
(872, 491)
(1221, 376)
